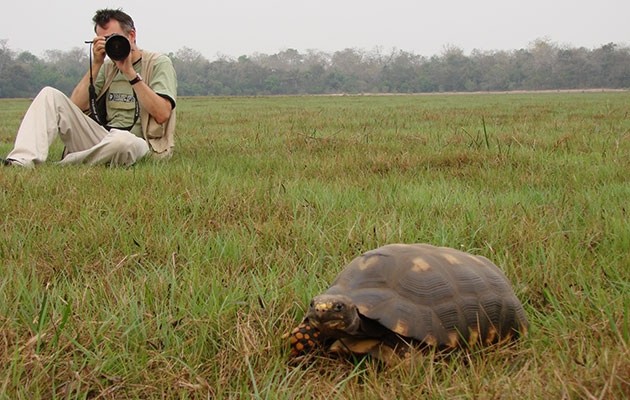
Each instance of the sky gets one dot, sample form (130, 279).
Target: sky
(244, 27)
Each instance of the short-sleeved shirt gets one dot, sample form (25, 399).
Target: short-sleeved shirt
(121, 100)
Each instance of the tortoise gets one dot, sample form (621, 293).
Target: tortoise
(402, 295)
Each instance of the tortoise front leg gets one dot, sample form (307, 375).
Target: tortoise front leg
(304, 339)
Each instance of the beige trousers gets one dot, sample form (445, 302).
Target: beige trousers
(52, 113)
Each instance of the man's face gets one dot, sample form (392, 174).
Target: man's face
(113, 26)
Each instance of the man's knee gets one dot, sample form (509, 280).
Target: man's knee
(49, 91)
(126, 147)
(53, 97)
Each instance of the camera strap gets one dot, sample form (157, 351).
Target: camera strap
(92, 95)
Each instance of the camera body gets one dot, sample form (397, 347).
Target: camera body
(117, 47)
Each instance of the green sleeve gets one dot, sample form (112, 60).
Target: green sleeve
(164, 79)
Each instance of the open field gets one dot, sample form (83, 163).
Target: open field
(177, 280)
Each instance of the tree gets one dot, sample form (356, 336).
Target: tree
(192, 72)
(401, 73)
(65, 68)
(542, 65)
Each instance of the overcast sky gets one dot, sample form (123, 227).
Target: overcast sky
(244, 27)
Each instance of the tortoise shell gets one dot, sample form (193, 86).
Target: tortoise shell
(417, 293)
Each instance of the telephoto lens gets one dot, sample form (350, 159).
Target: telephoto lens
(117, 47)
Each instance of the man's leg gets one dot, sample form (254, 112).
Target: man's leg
(118, 148)
(52, 113)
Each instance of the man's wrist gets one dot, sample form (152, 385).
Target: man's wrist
(135, 80)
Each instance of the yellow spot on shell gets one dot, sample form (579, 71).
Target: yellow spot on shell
(473, 337)
(452, 259)
(299, 335)
(420, 264)
(492, 335)
(477, 260)
(430, 340)
(367, 262)
(401, 327)
(299, 346)
(523, 329)
(453, 339)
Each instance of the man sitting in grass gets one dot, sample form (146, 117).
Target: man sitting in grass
(132, 109)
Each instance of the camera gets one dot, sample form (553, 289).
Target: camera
(117, 47)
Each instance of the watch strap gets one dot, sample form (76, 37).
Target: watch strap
(135, 80)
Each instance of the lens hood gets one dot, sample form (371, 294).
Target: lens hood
(117, 47)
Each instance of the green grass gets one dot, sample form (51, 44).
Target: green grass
(177, 280)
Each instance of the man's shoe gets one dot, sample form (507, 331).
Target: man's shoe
(11, 161)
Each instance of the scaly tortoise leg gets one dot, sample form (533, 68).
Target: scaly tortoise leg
(303, 339)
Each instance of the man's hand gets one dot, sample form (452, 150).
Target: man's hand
(98, 50)
(126, 66)
(80, 95)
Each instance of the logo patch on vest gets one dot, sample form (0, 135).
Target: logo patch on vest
(120, 97)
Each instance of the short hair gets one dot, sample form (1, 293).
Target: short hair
(102, 17)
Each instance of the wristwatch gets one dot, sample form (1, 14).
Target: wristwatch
(135, 80)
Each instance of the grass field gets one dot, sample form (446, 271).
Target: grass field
(177, 279)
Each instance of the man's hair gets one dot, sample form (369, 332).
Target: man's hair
(102, 17)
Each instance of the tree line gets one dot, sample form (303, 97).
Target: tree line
(544, 65)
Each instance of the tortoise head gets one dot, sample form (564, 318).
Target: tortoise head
(334, 316)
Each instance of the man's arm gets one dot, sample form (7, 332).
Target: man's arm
(80, 95)
(156, 105)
